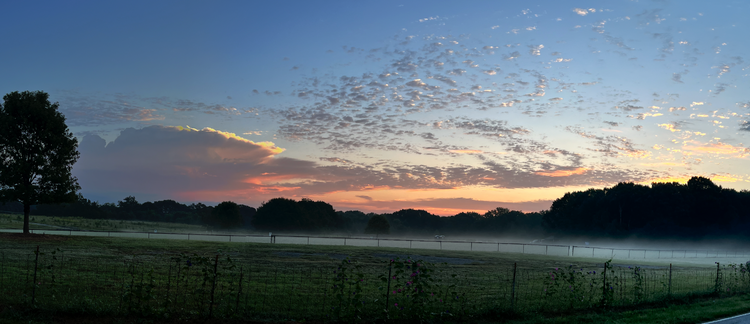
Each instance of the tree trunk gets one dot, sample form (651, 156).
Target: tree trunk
(26, 210)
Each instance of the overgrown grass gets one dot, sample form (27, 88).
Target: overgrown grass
(116, 277)
(78, 223)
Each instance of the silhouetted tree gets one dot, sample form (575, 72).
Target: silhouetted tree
(378, 224)
(247, 213)
(226, 215)
(279, 214)
(37, 152)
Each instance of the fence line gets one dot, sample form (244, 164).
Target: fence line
(524, 248)
(221, 286)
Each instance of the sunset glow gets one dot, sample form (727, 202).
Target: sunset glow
(390, 105)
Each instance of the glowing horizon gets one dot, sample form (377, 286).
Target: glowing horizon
(427, 105)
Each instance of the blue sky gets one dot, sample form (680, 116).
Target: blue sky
(385, 105)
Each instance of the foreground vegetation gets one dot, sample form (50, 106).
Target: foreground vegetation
(15, 221)
(165, 279)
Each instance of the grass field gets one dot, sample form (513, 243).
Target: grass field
(78, 223)
(115, 277)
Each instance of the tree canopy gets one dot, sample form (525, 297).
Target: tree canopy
(37, 152)
(282, 214)
(378, 225)
(227, 215)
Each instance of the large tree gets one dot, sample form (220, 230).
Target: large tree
(226, 215)
(37, 152)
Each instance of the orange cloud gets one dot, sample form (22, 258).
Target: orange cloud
(466, 151)
(668, 127)
(561, 173)
(717, 149)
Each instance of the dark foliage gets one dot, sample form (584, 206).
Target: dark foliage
(282, 214)
(37, 152)
(226, 215)
(378, 225)
(698, 209)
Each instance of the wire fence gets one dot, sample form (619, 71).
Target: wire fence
(435, 244)
(230, 286)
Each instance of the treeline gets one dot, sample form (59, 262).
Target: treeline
(698, 209)
(157, 211)
(290, 216)
(287, 215)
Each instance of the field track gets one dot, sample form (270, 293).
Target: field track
(449, 245)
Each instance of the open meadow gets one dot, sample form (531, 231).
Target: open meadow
(117, 276)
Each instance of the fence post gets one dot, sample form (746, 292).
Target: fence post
(213, 288)
(388, 291)
(471, 246)
(523, 248)
(716, 285)
(36, 262)
(604, 286)
(513, 288)
(239, 292)
(669, 291)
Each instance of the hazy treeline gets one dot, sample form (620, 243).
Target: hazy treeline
(130, 209)
(698, 209)
(289, 216)
(694, 210)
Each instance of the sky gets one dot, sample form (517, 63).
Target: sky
(378, 106)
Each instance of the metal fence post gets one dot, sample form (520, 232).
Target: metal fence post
(669, 291)
(36, 262)
(513, 287)
(388, 291)
(213, 287)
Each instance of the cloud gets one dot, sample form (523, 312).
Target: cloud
(719, 149)
(466, 151)
(445, 206)
(583, 12)
(83, 110)
(168, 161)
(562, 173)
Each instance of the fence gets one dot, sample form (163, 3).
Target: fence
(222, 286)
(525, 248)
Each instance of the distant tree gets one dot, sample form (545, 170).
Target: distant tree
(413, 221)
(247, 213)
(320, 216)
(37, 152)
(226, 215)
(128, 208)
(279, 214)
(497, 212)
(378, 224)
(464, 222)
(355, 220)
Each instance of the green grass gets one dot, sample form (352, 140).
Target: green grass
(36, 222)
(110, 277)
